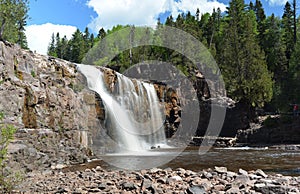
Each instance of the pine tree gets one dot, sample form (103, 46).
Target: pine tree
(294, 74)
(101, 34)
(58, 46)
(76, 46)
(52, 47)
(244, 67)
(260, 19)
(13, 16)
(288, 29)
(274, 48)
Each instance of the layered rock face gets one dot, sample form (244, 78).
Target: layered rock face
(44, 92)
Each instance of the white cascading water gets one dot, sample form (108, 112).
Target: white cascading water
(133, 112)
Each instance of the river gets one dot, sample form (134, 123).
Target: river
(269, 159)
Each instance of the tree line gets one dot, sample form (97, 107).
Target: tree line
(257, 54)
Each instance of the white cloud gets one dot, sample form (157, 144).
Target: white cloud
(39, 36)
(145, 12)
(205, 6)
(277, 2)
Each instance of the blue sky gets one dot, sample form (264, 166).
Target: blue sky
(65, 16)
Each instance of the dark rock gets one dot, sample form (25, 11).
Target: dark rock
(161, 180)
(146, 184)
(128, 186)
(271, 189)
(148, 177)
(196, 190)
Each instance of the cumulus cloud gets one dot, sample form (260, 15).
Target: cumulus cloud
(39, 36)
(146, 12)
(277, 2)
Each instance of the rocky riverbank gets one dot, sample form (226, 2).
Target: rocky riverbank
(217, 180)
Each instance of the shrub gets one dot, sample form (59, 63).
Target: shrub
(7, 178)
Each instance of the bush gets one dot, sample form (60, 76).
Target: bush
(7, 179)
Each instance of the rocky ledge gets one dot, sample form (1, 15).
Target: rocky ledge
(217, 180)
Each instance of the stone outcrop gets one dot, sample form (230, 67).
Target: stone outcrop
(43, 92)
(273, 129)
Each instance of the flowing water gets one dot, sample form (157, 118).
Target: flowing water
(134, 115)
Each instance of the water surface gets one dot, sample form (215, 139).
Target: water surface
(270, 160)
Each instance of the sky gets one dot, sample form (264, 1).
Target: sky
(65, 16)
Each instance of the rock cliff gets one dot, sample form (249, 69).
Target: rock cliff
(42, 92)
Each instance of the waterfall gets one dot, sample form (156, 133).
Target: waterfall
(133, 111)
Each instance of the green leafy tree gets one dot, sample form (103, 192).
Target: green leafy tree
(13, 16)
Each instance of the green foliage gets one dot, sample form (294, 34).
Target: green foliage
(7, 179)
(33, 74)
(288, 29)
(13, 16)
(74, 49)
(244, 67)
